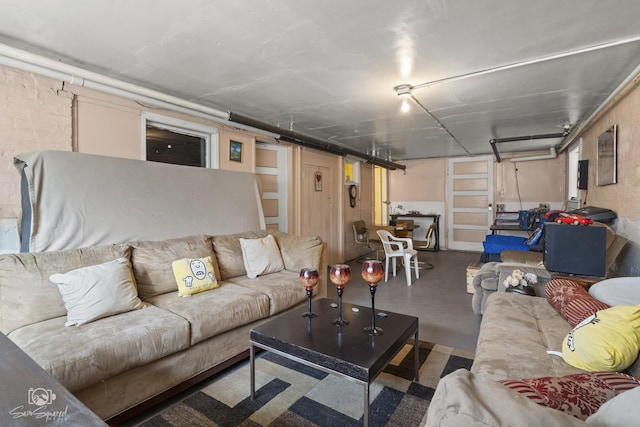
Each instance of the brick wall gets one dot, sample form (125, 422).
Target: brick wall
(35, 114)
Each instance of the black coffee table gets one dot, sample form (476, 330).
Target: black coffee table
(343, 351)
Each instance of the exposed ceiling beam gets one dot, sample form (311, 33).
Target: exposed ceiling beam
(310, 141)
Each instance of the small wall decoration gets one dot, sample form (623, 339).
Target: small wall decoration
(607, 156)
(318, 181)
(235, 151)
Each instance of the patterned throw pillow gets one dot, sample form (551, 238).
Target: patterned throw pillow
(579, 395)
(571, 300)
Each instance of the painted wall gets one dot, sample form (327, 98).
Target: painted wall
(41, 113)
(524, 185)
(623, 197)
(248, 162)
(421, 187)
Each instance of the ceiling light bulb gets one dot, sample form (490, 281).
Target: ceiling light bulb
(404, 93)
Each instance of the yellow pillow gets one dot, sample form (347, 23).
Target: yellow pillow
(194, 275)
(606, 341)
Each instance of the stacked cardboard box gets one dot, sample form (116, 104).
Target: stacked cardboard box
(472, 269)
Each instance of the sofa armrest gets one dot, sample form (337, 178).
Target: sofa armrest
(465, 399)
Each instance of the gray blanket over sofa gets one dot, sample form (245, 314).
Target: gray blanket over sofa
(73, 200)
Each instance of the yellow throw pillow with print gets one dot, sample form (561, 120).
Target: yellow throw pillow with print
(606, 341)
(194, 275)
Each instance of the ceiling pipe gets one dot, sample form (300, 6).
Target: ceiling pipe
(35, 63)
(310, 141)
(528, 62)
(27, 61)
(495, 141)
(553, 154)
(32, 63)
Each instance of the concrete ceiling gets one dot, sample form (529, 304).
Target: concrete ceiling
(328, 69)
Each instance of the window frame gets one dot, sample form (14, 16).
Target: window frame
(210, 134)
(573, 156)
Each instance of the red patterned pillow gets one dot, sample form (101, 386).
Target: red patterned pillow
(582, 307)
(571, 300)
(579, 395)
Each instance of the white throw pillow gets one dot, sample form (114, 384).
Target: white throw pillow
(91, 293)
(621, 411)
(617, 291)
(261, 256)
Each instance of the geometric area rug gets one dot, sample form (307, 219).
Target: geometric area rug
(291, 394)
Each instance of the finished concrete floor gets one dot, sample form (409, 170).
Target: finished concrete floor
(438, 298)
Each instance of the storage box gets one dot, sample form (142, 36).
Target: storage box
(472, 270)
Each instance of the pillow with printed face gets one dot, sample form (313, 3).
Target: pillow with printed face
(194, 275)
(606, 341)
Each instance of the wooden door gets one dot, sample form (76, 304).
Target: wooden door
(272, 171)
(319, 210)
(470, 202)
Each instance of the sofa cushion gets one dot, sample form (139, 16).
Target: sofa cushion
(607, 341)
(151, 261)
(579, 395)
(463, 399)
(97, 291)
(194, 275)
(81, 357)
(299, 252)
(516, 332)
(229, 253)
(28, 296)
(261, 256)
(571, 300)
(219, 310)
(283, 289)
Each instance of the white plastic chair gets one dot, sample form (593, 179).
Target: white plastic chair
(397, 247)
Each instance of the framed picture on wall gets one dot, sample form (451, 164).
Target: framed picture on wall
(607, 156)
(235, 151)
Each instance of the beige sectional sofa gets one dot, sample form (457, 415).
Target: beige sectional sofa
(515, 334)
(115, 363)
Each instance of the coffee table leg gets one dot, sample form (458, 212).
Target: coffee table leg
(252, 369)
(366, 405)
(416, 352)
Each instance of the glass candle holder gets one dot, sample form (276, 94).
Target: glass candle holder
(309, 278)
(340, 274)
(372, 272)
